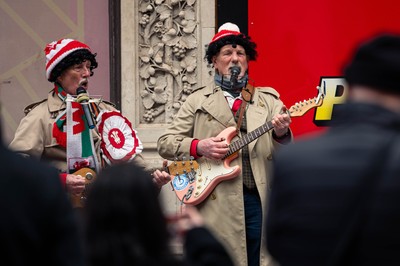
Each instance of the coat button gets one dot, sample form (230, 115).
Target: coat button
(269, 157)
(213, 196)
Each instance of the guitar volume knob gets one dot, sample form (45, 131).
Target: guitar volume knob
(89, 176)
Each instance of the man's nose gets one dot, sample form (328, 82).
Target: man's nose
(86, 71)
(234, 57)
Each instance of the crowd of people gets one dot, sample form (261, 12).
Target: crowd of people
(335, 206)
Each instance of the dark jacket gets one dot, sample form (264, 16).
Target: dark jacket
(317, 187)
(202, 248)
(37, 224)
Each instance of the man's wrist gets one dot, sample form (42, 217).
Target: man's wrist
(280, 137)
(193, 148)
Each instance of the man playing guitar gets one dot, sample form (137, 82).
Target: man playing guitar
(234, 210)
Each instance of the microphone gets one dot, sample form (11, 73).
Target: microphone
(235, 71)
(83, 99)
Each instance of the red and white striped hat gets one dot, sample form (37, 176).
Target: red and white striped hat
(226, 29)
(58, 50)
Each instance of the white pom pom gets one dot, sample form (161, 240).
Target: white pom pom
(229, 26)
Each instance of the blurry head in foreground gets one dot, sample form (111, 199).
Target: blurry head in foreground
(124, 217)
(376, 64)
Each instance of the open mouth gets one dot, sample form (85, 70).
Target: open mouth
(84, 83)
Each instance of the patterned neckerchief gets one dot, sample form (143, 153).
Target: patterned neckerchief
(60, 92)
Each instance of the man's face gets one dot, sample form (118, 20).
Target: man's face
(229, 56)
(75, 76)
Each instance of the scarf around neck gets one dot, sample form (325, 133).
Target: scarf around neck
(234, 88)
(72, 132)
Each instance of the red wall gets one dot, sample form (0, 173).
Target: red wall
(300, 41)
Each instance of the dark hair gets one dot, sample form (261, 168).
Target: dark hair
(376, 64)
(241, 39)
(125, 222)
(74, 58)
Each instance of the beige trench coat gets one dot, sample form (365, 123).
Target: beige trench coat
(34, 136)
(205, 114)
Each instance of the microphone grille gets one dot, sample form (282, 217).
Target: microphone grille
(235, 70)
(80, 90)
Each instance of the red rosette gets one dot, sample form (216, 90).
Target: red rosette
(119, 141)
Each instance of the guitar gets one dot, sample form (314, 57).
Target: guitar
(193, 181)
(78, 200)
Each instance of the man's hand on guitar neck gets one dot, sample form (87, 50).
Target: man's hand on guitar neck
(281, 123)
(161, 177)
(74, 184)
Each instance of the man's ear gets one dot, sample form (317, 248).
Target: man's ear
(59, 79)
(214, 59)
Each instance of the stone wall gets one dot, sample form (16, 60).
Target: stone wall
(162, 50)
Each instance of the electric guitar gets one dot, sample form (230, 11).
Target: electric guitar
(193, 180)
(78, 200)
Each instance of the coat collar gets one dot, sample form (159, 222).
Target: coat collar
(54, 102)
(217, 106)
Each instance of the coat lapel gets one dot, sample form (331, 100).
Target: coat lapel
(217, 106)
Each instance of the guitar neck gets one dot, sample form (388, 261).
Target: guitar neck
(298, 109)
(249, 137)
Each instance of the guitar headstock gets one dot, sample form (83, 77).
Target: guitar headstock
(300, 108)
(181, 167)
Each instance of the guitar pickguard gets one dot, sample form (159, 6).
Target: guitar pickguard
(211, 171)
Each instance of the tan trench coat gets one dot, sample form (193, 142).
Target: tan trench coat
(34, 136)
(204, 114)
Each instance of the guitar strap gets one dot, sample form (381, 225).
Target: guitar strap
(247, 95)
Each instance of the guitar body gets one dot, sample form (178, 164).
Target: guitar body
(193, 185)
(78, 200)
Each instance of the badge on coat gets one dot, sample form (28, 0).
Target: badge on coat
(119, 141)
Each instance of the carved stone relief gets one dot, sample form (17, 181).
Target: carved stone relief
(167, 57)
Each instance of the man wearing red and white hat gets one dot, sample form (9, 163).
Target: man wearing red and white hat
(64, 129)
(234, 208)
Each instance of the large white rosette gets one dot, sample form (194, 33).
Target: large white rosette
(119, 142)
